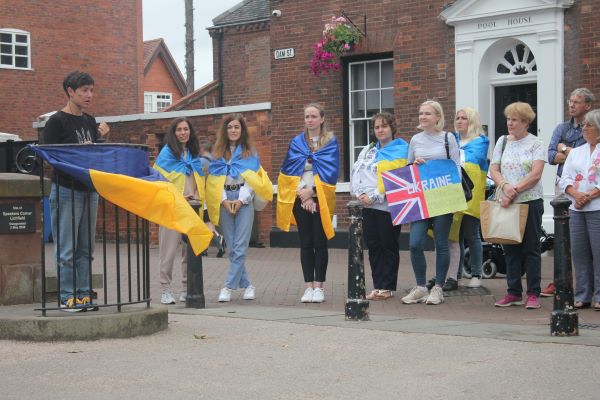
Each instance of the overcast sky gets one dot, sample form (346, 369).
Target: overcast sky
(166, 19)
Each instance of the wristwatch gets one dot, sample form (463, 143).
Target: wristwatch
(563, 148)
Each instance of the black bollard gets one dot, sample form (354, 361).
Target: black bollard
(195, 284)
(357, 306)
(564, 320)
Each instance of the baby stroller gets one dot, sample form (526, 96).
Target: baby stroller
(493, 254)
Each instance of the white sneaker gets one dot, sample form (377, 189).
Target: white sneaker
(318, 295)
(475, 282)
(182, 297)
(416, 295)
(225, 295)
(307, 297)
(436, 296)
(249, 293)
(167, 298)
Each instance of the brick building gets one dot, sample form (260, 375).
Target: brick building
(163, 82)
(480, 53)
(40, 42)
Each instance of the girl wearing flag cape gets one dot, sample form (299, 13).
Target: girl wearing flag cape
(306, 197)
(179, 162)
(235, 178)
(381, 236)
(465, 225)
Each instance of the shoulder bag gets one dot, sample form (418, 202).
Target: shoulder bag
(465, 180)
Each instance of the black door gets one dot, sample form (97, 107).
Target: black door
(505, 95)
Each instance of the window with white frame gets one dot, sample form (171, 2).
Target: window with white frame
(156, 101)
(371, 86)
(15, 49)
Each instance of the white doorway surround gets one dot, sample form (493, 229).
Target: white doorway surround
(487, 36)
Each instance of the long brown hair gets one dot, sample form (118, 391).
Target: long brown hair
(174, 144)
(324, 134)
(221, 148)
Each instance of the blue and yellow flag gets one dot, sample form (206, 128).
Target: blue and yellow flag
(121, 174)
(177, 169)
(248, 168)
(393, 155)
(325, 168)
(476, 166)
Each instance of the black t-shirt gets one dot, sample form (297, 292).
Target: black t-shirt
(65, 128)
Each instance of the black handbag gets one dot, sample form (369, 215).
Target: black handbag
(466, 182)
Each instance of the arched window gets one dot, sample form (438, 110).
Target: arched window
(518, 60)
(15, 49)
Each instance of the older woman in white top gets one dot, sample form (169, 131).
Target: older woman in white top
(516, 168)
(581, 183)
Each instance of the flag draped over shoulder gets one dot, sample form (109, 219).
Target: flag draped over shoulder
(476, 166)
(248, 168)
(325, 167)
(177, 169)
(393, 155)
(121, 175)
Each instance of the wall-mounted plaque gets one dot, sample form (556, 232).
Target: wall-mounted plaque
(17, 218)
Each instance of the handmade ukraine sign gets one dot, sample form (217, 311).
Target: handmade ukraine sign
(423, 191)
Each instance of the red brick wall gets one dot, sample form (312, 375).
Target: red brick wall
(582, 48)
(103, 38)
(246, 64)
(158, 79)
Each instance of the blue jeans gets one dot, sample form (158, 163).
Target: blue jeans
(585, 236)
(74, 216)
(469, 233)
(237, 230)
(418, 234)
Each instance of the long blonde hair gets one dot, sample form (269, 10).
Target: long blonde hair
(474, 128)
(324, 134)
(221, 148)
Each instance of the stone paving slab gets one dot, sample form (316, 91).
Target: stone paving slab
(510, 332)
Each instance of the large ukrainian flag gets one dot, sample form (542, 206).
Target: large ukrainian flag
(394, 155)
(476, 166)
(248, 168)
(121, 174)
(177, 169)
(325, 167)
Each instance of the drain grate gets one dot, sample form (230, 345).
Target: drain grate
(589, 326)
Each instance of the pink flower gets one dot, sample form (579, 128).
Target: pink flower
(346, 46)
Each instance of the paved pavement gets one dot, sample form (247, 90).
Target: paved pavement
(277, 275)
(277, 348)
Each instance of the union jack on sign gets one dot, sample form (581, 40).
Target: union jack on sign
(417, 192)
(405, 196)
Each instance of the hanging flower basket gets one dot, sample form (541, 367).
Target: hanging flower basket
(338, 38)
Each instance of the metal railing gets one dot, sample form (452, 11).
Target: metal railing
(125, 275)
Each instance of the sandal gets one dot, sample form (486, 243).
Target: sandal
(582, 304)
(374, 295)
(385, 294)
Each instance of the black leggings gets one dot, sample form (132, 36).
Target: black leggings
(313, 244)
